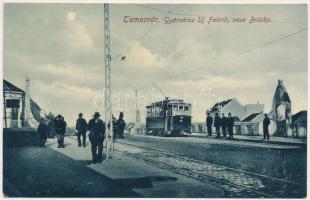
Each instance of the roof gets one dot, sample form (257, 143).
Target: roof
(35, 108)
(7, 86)
(222, 104)
(168, 102)
(281, 94)
(300, 117)
(250, 117)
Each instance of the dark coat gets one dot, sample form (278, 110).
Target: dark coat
(96, 129)
(217, 121)
(42, 129)
(209, 121)
(224, 121)
(81, 125)
(121, 126)
(230, 122)
(60, 126)
(266, 122)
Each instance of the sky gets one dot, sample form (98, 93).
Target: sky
(60, 47)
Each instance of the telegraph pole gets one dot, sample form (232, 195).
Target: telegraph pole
(138, 119)
(107, 91)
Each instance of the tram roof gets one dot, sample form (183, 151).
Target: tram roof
(169, 102)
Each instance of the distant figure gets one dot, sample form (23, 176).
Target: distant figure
(51, 129)
(115, 127)
(217, 124)
(81, 127)
(60, 126)
(42, 132)
(96, 136)
(121, 125)
(266, 123)
(209, 122)
(224, 125)
(230, 125)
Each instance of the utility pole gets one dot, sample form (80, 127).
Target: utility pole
(107, 91)
(138, 119)
(27, 101)
(4, 109)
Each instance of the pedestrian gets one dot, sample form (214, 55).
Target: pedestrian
(115, 127)
(230, 126)
(51, 128)
(266, 123)
(60, 126)
(209, 122)
(81, 127)
(96, 136)
(42, 132)
(223, 125)
(217, 124)
(121, 125)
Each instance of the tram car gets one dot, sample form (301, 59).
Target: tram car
(168, 117)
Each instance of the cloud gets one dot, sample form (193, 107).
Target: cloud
(141, 57)
(76, 35)
(71, 71)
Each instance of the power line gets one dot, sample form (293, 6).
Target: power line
(166, 12)
(149, 30)
(241, 54)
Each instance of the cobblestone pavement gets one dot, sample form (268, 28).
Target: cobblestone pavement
(235, 183)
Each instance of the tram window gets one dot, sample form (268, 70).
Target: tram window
(149, 112)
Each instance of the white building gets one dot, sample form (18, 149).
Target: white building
(236, 109)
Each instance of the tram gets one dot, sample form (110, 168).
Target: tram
(168, 117)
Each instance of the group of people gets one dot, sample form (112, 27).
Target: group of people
(59, 126)
(95, 126)
(226, 124)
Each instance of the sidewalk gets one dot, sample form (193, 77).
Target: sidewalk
(258, 139)
(43, 172)
(146, 180)
(57, 172)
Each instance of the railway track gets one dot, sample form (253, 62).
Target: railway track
(235, 182)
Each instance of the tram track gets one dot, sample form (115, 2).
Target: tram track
(238, 183)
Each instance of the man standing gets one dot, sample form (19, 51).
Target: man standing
(60, 126)
(96, 136)
(266, 123)
(81, 127)
(217, 124)
(51, 128)
(209, 122)
(42, 132)
(121, 124)
(230, 125)
(224, 125)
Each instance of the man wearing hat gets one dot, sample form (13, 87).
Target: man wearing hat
(223, 124)
(209, 122)
(230, 126)
(60, 126)
(217, 124)
(266, 123)
(121, 125)
(42, 132)
(81, 127)
(96, 136)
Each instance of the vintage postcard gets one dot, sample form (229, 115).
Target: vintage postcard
(147, 100)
